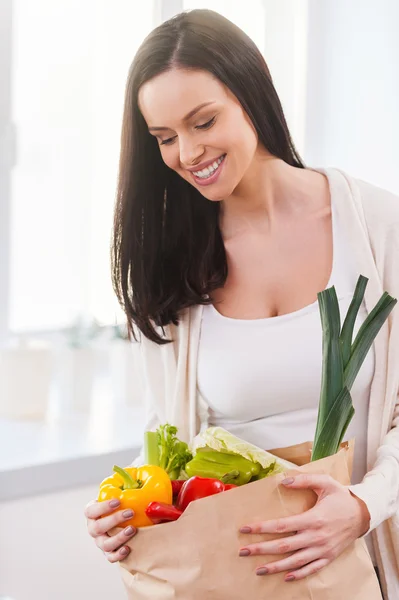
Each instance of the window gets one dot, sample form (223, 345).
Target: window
(70, 61)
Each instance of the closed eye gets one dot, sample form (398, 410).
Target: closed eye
(207, 125)
(168, 141)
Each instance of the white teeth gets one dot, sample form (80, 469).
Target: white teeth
(208, 171)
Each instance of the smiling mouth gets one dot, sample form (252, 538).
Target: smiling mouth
(210, 169)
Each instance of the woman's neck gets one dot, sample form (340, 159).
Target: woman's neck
(271, 191)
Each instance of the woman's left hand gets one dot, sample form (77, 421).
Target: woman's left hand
(322, 533)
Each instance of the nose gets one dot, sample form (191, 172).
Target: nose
(190, 153)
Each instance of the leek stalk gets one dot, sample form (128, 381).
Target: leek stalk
(342, 359)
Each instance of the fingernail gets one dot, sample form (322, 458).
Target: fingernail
(245, 530)
(289, 578)
(127, 514)
(114, 503)
(262, 571)
(124, 551)
(129, 531)
(288, 481)
(245, 552)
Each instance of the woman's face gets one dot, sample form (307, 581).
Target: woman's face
(202, 130)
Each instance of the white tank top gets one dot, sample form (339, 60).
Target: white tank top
(261, 378)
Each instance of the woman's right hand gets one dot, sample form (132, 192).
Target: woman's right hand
(112, 546)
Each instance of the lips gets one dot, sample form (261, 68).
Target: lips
(212, 178)
(203, 165)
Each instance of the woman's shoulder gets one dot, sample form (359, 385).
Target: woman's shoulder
(377, 205)
(380, 205)
(380, 202)
(179, 334)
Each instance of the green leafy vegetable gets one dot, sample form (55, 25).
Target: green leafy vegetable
(222, 440)
(164, 449)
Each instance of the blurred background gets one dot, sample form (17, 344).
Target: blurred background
(70, 389)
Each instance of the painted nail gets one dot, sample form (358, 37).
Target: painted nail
(127, 514)
(245, 530)
(114, 503)
(124, 551)
(245, 552)
(289, 578)
(288, 481)
(262, 571)
(129, 531)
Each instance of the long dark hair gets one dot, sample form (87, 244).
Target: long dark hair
(167, 250)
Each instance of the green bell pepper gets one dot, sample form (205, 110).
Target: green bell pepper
(213, 464)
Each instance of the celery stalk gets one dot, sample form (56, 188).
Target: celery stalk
(151, 450)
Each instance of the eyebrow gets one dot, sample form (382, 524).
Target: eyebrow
(186, 118)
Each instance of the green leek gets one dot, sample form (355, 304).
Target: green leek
(342, 360)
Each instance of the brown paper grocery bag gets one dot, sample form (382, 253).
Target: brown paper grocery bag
(196, 557)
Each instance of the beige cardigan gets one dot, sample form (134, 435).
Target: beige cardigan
(371, 218)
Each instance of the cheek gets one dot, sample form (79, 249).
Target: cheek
(246, 145)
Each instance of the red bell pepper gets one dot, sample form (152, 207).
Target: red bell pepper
(200, 487)
(177, 484)
(159, 512)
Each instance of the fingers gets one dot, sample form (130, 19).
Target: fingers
(296, 561)
(103, 517)
(311, 519)
(314, 482)
(97, 527)
(282, 545)
(95, 510)
(307, 570)
(117, 554)
(113, 547)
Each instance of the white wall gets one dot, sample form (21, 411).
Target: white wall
(47, 554)
(353, 88)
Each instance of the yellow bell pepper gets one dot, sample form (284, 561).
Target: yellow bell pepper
(136, 488)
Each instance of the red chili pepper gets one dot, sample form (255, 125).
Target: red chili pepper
(159, 512)
(229, 486)
(177, 484)
(200, 487)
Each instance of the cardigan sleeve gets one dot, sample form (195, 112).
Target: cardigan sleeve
(379, 489)
(380, 486)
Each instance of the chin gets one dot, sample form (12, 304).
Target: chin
(215, 195)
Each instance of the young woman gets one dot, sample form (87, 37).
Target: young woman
(222, 240)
